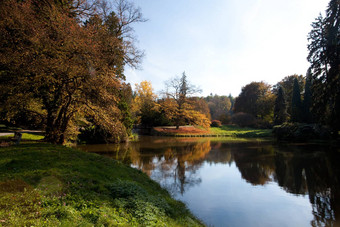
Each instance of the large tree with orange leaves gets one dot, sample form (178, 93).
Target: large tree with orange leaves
(63, 69)
(177, 105)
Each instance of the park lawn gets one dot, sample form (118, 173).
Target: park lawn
(183, 130)
(223, 131)
(49, 185)
(235, 131)
(4, 128)
(25, 136)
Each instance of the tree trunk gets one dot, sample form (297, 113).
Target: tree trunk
(56, 128)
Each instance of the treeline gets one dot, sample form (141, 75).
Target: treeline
(258, 105)
(314, 98)
(62, 70)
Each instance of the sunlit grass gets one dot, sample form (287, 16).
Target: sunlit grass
(48, 185)
(235, 131)
(25, 136)
(223, 131)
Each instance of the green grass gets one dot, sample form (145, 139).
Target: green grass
(49, 185)
(25, 136)
(235, 131)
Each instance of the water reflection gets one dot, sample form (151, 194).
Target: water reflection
(307, 170)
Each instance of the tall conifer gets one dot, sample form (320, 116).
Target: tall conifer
(296, 103)
(280, 108)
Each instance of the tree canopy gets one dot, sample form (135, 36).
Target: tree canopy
(256, 99)
(57, 66)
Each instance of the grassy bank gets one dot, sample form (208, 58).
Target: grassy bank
(223, 131)
(48, 185)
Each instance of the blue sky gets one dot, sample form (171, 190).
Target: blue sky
(223, 45)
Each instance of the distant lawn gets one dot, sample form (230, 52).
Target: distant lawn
(223, 131)
(25, 136)
(235, 131)
(4, 128)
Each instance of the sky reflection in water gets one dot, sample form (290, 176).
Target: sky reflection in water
(228, 183)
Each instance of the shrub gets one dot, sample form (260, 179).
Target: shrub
(96, 134)
(215, 123)
(301, 132)
(263, 124)
(225, 118)
(243, 119)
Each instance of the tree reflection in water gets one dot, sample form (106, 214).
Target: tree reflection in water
(298, 169)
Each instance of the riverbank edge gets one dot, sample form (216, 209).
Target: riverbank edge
(44, 184)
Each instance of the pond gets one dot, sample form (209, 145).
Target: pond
(241, 182)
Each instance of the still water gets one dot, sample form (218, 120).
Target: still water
(241, 182)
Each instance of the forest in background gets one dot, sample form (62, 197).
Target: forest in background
(62, 70)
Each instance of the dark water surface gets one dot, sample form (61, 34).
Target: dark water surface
(241, 183)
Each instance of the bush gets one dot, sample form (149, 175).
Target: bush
(225, 119)
(215, 123)
(301, 132)
(263, 124)
(243, 119)
(96, 134)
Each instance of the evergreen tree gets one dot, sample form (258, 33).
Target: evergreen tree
(307, 100)
(296, 103)
(324, 56)
(287, 84)
(280, 108)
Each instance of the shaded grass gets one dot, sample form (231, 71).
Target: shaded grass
(235, 131)
(48, 185)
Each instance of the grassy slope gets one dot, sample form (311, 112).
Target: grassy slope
(43, 184)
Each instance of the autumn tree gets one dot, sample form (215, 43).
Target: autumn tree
(324, 52)
(256, 99)
(280, 108)
(68, 69)
(145, 106)
(177, 105)
(199, 104)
